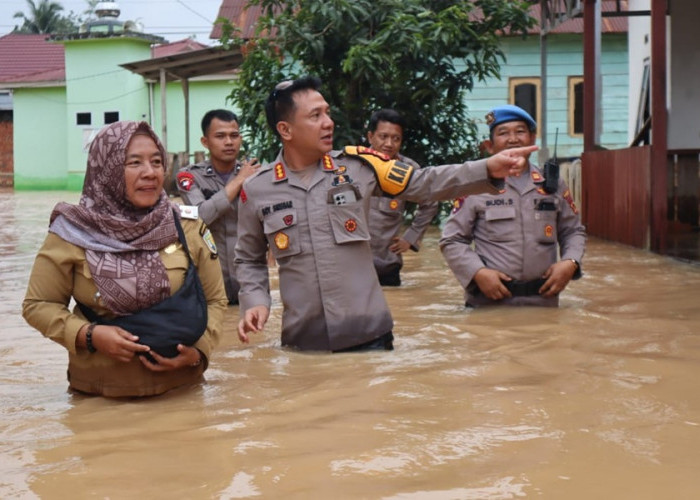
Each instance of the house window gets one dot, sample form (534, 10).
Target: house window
(525, 92)
(111, 117)
(83, 118)
(575, 106)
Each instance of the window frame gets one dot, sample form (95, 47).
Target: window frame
(571, 105)
(514, 81)
(104, 117)
(83, 114)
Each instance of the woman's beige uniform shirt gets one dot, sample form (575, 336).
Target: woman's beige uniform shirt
(60, 272)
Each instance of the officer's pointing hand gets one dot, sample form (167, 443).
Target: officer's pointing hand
(509, 162)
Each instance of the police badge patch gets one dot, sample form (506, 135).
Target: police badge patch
(209, 242)
(185, 180)
(281, 241)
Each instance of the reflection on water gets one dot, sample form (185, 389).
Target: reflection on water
(596, 399)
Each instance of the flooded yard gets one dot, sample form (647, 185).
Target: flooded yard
(596, 399)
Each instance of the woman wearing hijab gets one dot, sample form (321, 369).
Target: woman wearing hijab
(146, 281)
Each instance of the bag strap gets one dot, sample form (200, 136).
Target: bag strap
(92, 316)
(181, 236)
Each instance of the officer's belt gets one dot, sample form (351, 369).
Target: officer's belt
(519, 288)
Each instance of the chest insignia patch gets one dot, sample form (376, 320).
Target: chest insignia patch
(185, 180)
(393, 204)
(548, 231)
(350, 225)
(288, 220)
(341, 177)
(281, 241)
(209, 242)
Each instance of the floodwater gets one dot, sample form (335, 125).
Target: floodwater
(597, 399)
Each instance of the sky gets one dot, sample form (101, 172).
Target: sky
(171, 19)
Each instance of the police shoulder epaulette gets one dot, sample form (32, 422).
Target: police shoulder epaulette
(189, 211)
(393, 175)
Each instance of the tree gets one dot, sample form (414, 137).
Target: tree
(420, 57)
(45, 17)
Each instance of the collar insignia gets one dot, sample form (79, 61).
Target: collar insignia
(280, 172)
(328, 163)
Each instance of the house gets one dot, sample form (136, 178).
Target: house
(647, 194)
(65, 88)
(42, 67)
(555, 98)
(521, 79)
(112, 76)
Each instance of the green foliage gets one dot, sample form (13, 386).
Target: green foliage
(45, 17)
(420, 57)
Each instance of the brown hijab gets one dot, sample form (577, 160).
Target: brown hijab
(121, 241)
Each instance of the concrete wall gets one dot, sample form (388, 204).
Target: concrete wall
(204, 95)
(40, 147)
(95, 83)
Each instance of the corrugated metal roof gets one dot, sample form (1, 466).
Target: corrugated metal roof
(607, 24)
(168, 49)
(236, 12)
(27, 54)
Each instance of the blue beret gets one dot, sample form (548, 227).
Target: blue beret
(509, 113)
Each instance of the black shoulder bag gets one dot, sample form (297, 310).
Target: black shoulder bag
(179, 319)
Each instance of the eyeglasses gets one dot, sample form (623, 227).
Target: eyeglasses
(281, 86)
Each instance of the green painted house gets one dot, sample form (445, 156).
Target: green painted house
(64, 89)
(521, 82)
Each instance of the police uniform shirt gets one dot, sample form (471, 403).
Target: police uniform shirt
(319, 235)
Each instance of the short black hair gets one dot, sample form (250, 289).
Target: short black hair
(386, 115)
(222, 114)
(279, 105)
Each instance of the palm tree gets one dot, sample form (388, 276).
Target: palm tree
(44, 17)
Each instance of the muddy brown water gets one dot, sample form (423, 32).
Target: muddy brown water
(597, 399)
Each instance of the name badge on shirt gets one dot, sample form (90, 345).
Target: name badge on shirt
(189, 211)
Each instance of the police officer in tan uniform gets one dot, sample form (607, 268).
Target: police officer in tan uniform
(213, 186)
(385, 134)
(310, 207)
(518, 234)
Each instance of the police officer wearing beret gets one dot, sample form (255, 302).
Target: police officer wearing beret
(309, 207)
(214, 184)
(517, 234)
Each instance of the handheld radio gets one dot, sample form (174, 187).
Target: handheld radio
(551, 170)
